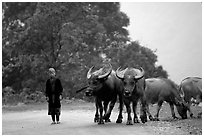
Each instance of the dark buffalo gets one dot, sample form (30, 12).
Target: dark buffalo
(134, 85)
(191, 90)
(105, 86)
(159, 90)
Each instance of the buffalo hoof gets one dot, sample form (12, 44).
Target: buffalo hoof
(96, 119)
(129, 122)
(199, 115)
(143, 119)
(191, 115)
(101, 122)
(119, 120)
(151, 118)
(106, 116)
(136, 120)
(107, 120)
(174, 117)
(156, 119)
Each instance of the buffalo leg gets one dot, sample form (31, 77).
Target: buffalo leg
(199, 115)
(96, 119)
(105, 104)
(129, 118)
(189, 109)
(159, 105)
(134, 107)
(143, 114)
(100, 111)
(148, 112)
(107, 115)
(120, 116)
(172, 110)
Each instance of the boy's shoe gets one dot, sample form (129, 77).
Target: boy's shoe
(53, 123)
(58, 122)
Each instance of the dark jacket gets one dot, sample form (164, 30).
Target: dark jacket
(53, 91)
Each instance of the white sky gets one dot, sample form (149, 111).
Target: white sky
(174, 29)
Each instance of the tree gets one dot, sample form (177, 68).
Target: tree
(71, 37)
(135, 55)
(67, 36)
(14, 14)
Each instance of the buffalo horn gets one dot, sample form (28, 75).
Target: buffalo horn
(106, 74)
(120, 73)
(89, 73)
(181, 93)
(141, 74)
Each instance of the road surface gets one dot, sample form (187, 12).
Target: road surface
(78, 122)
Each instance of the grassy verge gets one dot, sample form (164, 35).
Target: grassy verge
(66, 105)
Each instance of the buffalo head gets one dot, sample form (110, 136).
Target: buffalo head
(182, 110)
(130, 77)
(96, 79)
(181, 106)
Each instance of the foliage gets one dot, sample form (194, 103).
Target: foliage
(9, 96)
(71, 37)
(136, 56)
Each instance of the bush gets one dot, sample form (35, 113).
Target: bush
(9, 96)
(12, 99)
(26, 96)
(35, 97)
(7, 91)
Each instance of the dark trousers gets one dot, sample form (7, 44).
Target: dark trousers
(53, 117)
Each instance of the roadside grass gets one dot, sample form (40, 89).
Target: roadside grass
(66, 105)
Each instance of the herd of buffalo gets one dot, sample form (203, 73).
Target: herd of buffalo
(131, 87)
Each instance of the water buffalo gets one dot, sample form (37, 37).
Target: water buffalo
(191, 91)
(134, 85)
(159, 90)
(105, 86)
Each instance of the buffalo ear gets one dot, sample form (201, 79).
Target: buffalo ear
(102, 79)
(136, 79)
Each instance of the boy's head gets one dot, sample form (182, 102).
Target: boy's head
(52, 72)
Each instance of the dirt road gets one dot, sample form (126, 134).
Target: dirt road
(79, 121)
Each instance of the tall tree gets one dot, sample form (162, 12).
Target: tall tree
(135, 55)
(71, 37)
(67, 36)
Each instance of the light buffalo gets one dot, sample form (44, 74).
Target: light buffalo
(191, 91)
(134, 85)
(105, 87)
(159, 90)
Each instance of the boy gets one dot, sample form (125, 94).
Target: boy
(54, 95)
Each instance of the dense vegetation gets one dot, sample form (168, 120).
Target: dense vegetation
(71, 37)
